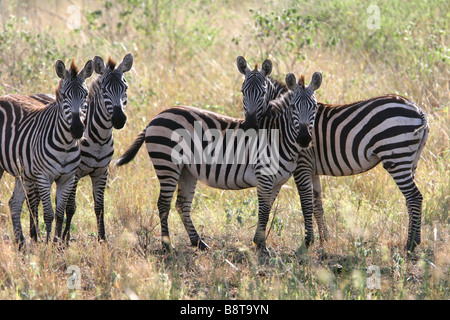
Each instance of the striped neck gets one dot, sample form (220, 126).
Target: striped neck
(98, 121)
(275, 89)
(280, 117)
(62, 126)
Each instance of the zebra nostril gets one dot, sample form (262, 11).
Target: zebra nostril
(77, 126)
(251, 121)
(304, 137)
(119, 118)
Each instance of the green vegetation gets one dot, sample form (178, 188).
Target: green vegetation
(185, 53)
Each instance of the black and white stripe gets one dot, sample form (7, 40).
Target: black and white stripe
(106, 104)
(276, 138)
(107, 100)
(39, 146)
(353, 138)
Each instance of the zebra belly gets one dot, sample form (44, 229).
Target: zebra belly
(340, 168)
(353, 138)
(226, 177)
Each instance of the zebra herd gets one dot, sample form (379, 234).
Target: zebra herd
(62, 138)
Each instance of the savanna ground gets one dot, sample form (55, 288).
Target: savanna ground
(185, 53)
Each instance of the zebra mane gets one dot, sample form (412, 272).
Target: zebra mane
(277, 97)
(111, 63)
(94, 88)
(277, 106)
(275, 89)
(73, 69)
(301, 81)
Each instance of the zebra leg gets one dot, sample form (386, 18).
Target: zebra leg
(318, 209)
(266, 197)
(44, 188)
(1, 175)
(303, 180)
(33, 206)
(405, 182)
(310, 192)
(414, 204)
(64, 187)
(186, 191)
(71, 207)
(168, 186)
(98, 186)
(15, 206)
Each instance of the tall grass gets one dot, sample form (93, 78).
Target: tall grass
(185, 54)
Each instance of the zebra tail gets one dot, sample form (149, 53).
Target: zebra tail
(425, 129)
(424, 123)
(132, 150)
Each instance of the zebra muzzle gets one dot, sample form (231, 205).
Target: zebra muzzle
(118, 118)
(250, 121)
(303, 137)
(77, 127)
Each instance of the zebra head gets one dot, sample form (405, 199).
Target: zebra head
(254, 90)
(304, 103)
(114, 87)
(71, 94)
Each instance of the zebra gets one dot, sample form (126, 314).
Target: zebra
(163, 135)
(39, 146)
(257, 97)
(107, 100)
(353, 138)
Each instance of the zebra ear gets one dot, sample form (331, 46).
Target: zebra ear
(316, 81)
(99, 65)
(291, 82)
(126, 63)
(61, 70)
(242, 65)
(266, 68)
(86, 72)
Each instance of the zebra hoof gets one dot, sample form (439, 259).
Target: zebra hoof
(21, 246)
(409, 248)
(167, 247)
(66, 237)
(202, 246)
(308, 241)
(264, 255)
(302, 250)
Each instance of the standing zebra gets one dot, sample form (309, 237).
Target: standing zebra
(107, 100)
(353, 138)
(277, 139)
(39, 146)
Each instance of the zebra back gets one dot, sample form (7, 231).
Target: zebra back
(352, 138)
